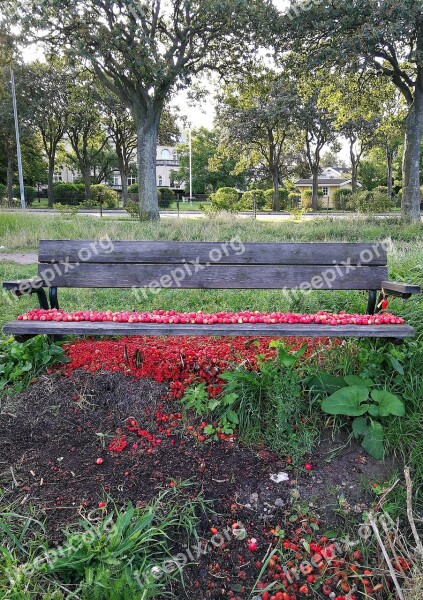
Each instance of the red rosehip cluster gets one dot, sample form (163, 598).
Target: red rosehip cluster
(118, 444)
(173, 317)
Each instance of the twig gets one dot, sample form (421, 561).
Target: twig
(409, 485)
(385, 495)
(392, 547)
(373, 525)
(14, 478)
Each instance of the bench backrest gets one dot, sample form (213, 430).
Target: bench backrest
(212, 265)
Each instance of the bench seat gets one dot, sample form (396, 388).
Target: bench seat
(242, 329)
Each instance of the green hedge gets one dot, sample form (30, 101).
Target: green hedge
(283, 198)
(306, 199)
(68, 193)
(225, 198)
(247, 200)
(166, 196)
(372, 202)
(30, 193)
(341, 199)
(109, 197)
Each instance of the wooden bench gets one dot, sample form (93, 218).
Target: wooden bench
(149, 265)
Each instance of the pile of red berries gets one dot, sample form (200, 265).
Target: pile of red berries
(251, 317)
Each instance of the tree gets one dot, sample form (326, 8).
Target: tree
(211, 170)
(379, 37)
(46, 91)
(317, 124)
(144, 51)
(331, 158)
(85, 132)
(255, 117)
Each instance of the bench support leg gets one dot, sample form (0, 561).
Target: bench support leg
(371, 305)
(54, 302)
(42, 299)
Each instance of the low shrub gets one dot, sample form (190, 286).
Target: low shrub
(133, 188)
(68, 193)
(225, 198)
(283, 198)
(30, 193)
(307, 199)
(371, 202)
(133, 208)
(247, 200)
(294, 200)
(110, 197)
(341, 199)
(165, 196)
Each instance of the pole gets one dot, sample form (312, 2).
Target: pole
(190, 165)
(18, 143)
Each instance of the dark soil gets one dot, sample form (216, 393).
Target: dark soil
(51, 436)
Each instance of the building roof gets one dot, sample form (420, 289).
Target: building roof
(323, 181)
(339, 169)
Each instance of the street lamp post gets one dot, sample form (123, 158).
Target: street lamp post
(190, 165)
(18, 142)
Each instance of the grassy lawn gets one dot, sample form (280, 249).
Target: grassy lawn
(101, 396)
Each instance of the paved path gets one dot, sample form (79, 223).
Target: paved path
(21, 258)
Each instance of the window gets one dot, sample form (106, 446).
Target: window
(175, 155)
(132, 179)
(116, 180)
(325, 191)
(160, 181)
(57, 177)
(165, 154)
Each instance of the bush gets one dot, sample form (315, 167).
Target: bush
(110, 197)
(133, 188)
(225, 198)
(68, 193)
(371, 202)
(341, 199)
(306, 199)
(30, 193)
(283, 198)
(166, 196)
(133, 208)
(294, 200)
(247, 200)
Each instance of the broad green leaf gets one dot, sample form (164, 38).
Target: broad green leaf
(357, 380)
(373, 441)
(232, 417)
(327, 383)
(360, 427)
(389, 404)
(347, 401)
(374, 410)
(213, 404)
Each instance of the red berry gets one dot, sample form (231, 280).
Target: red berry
(99, 461)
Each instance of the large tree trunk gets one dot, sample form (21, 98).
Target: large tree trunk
(147, 149)
(51, 163)
(87, 182)
(354, 167)
(315, 192)
(390, 165)
(9, 184)
(411, 160)
(276, 196)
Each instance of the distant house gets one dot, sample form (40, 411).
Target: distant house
(330, 180)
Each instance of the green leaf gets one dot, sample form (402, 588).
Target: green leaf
(213, 404)
(374, 410)
(347, 401)
(360, 427)
(373, 441)
(396, 365)
(232, 417)
(389, 404)
(327, 383)
(330, 534)
(209, 430)
(357, 380)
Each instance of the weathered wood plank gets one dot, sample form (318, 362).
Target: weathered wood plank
(401, 288)
(89, 275)
(245, 329)
(235, 252)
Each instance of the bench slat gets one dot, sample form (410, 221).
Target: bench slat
(260, 253)
(244, 329)
(88, 275)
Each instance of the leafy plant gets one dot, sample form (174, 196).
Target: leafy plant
(263, 404)
(354, 397)
(19, 363)
(133, 208)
